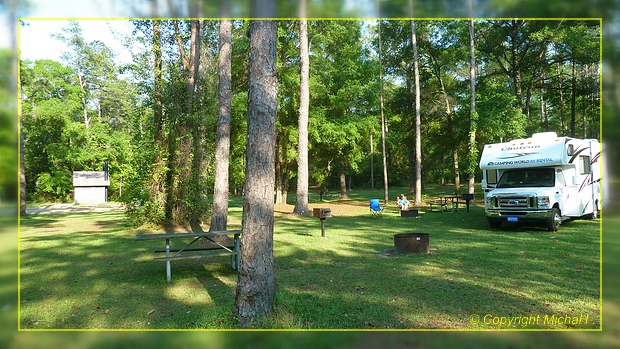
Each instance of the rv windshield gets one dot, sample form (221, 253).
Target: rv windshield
(527, 177)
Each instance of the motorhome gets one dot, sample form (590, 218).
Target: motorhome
(544, 179)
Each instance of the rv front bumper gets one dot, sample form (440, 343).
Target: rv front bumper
(518, 216)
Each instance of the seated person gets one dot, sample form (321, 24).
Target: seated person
(403, 203)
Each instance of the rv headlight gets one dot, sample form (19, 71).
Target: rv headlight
(543, 202)
(490, 200)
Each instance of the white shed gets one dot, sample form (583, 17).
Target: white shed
(90, 187)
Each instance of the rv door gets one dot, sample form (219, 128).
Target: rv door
(566, 194)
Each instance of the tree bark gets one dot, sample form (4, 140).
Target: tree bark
(473, 115)
(256, 287)
(573, 98)
(22, 171)
(156, 184)
(185, 158)
(515, 61)
(279, 176)
(13, 86)
(418, 141)
(383, 150)
(301, 203)
(157, 86)
(450, 125)
(219, 217)
(343, 179)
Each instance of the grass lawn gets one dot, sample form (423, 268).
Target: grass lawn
(87, 271)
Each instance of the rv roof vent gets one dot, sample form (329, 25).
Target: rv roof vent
(547, 135)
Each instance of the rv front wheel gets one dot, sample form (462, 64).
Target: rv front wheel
(553, 222)
(495, 224)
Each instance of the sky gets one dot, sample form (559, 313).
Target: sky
(62, 9)
(96, 9)
(35, 41)
(49, 17)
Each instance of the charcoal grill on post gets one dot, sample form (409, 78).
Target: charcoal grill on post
(322, 214)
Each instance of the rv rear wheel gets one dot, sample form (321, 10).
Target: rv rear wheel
(553, 222)
(594, 214)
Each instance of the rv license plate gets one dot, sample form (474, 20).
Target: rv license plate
(513, 219)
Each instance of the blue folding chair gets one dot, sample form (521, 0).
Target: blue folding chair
(375, 209)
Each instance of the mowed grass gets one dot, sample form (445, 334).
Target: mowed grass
(87, 271)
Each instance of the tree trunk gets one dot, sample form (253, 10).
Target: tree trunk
(190, 62)
(192, 188)
(573, 99)
(561, 90)
(279, 175)
(182, 190)
(22, 171)
(13, 87)
(219, 216)
(457, 173)
(450, 126)
(286, 183)
(372, 163)
(515, 62)
(156, 185)
(158, 103)
(383, 151)
(256, 287)
(418, 141)
(473, 154)
(84, 104)
(301, 203)
(343, 179)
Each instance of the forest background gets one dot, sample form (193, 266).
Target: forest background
(157, 135)
(606, 10)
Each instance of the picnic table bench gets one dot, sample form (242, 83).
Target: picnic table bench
(187, 252)
(438, 205)
(442, 202)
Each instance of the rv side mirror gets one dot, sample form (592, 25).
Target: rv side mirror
(570, 150)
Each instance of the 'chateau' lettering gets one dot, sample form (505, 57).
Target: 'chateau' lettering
(522, 147)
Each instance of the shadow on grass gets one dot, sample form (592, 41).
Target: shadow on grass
(93, 274)
(475, 271)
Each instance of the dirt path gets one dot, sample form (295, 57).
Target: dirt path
(74, 208)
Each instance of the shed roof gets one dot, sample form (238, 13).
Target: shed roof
(90, 179)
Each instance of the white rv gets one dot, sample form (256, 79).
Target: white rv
(544, 179)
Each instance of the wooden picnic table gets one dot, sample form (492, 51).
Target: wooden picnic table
(196, 252)
(455, 200)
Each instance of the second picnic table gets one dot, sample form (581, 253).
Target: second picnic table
(454, 200)
(196, 252)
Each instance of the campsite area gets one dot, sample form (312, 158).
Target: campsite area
(85, 270)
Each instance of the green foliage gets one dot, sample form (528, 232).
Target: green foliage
(53, 188)
(145, 212)
(499, 118)
(8, 131)
(344, 103)
(344, 100)
(59, 139)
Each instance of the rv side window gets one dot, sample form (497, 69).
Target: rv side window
(491, 176)
(560, 176)
(584, 165)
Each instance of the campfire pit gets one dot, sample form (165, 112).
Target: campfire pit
(411, 243)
